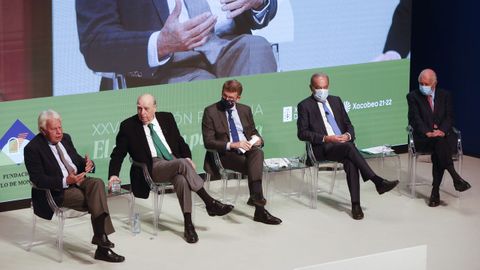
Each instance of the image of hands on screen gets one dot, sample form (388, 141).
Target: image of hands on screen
(168, 41)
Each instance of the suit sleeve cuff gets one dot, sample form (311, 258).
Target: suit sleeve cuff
(152, 54)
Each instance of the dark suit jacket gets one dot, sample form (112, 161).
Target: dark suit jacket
(399, 35)
(131, 139)
(216, 133)
(114, 33)
(45, 171)
(310, 125)
(421, 117)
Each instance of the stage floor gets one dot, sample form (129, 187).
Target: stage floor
(306, 236)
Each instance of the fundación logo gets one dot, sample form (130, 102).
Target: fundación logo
(13, 142)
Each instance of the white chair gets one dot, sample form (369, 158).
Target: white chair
(118, 80)
(317, 165)
(155, 189)
(61, 213)
(225, 176)
(413, 155)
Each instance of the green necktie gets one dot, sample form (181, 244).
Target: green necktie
(159, 146)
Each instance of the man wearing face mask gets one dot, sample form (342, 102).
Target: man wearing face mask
(431, 117)
(323, 121)
(153, 138)
(228, 127)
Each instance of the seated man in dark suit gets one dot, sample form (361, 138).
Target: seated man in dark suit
(153, 138)
(53, 163)
(228, 127)
(323, 121)
(169, 41)
(431, 117)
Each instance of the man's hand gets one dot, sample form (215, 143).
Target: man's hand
(258, 142)
(336, 138)
(237, 7)
(191, 163)
(177, 37)
(243, 144)
(438, 133)
(113, 179)
(88, 164)
(76, 178)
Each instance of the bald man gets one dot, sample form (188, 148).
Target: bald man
(153, 138)
(431, 117)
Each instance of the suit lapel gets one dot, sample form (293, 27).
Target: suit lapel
(162, 9)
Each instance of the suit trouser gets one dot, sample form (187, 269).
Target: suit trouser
(243, 55)
(183, 177)
(353, 162)
(250, 163)
(441, 156)
(91, 196)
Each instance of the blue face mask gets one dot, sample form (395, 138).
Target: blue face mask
(321, 94)
(426, 90)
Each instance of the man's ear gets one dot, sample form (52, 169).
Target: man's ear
(42, 131)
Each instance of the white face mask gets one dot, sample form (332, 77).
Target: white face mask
(321, 94)
(426, 90)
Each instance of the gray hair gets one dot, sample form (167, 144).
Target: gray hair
(45, 116)
(426, 71)
(317, 75)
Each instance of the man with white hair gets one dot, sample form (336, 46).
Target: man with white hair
(53, 163)
(430, 114)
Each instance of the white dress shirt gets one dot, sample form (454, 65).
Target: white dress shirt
(158, 130)
(60, 163)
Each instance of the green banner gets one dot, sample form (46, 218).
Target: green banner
(373, 94)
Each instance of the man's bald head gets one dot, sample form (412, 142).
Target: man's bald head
(146, 108)
(428, 77)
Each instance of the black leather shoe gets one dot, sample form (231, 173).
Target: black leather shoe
(357, 212)
(102, 241)
(190, 234)
(434, 198)
(461, 185)
(265, 217)
(386, 186)
(106, 254)
(258, 202)
(218, 209)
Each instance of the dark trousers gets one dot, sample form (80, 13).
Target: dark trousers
(250, 163)
(90, 196)
(353, 162)
(183, 177)
(441, 155)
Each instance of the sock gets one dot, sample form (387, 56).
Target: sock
(453, 173)
(355, 203)
(377, 180)
(207, 199)
(259, 208)
(187, 219)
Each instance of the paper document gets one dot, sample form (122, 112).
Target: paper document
(252, 141)
(378, 149)
(276, 163)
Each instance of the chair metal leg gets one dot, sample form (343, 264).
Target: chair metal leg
(334, 176)
(61, 222)
(156, 212)
(32, 236)
(413, 179)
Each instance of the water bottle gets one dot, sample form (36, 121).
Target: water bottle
(116, 187)
(136, 223)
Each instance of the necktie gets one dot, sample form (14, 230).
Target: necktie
(430, 101)
(233, 128)
(212, 48)
(64, 161)
(331, 119)
(159, 146)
